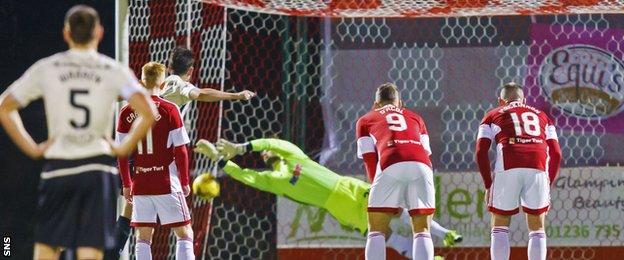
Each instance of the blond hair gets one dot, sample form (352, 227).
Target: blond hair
(152, 74)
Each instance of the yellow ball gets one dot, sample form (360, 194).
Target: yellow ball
(206, 187)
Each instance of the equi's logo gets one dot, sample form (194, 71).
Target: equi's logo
(584, 81)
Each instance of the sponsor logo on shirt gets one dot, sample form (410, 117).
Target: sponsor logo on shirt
(393, 142)
(583, 81)
(149, 169)
(296, 174)
(519, 140)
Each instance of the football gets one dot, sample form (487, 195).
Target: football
(206, 187)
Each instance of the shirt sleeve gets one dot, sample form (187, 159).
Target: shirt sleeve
(178, 91)
(485, 129)
(365, 142)
(28, 87)
(262, 180)
(281, 147)
(186, 89)
(123, 126)
(177, 132)
(129, 85)
(551, 131)
(424, 136)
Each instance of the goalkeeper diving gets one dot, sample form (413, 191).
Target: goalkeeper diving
(294, 175)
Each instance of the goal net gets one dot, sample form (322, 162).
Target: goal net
(314, 65)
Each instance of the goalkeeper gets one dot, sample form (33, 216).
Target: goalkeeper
(295, 176)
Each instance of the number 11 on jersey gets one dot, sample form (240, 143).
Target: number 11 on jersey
(150, 144)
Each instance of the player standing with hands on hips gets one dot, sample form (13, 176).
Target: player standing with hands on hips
(396, 141)
(527, 161)
(78, 184)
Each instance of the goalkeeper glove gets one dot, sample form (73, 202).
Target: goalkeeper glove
(229, 149)
(207, 149)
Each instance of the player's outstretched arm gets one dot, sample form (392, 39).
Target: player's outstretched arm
(280, 147)
(283, 148)
(12, 123)
(213, 95)
(142, 105)
(255, 179)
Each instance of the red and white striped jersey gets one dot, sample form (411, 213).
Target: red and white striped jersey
(520, 132)
(395, 134)
(155, 171)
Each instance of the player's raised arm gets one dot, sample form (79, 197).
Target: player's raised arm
(484, 141)
(554, 151)
(366, 149)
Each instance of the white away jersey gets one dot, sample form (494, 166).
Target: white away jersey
(177, 90)
(79, 89)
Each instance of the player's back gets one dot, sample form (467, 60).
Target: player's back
(398, 133)
(155, 171)
(520, 132)
(79, 89)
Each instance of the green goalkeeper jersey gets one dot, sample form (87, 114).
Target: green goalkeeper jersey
(303, 180)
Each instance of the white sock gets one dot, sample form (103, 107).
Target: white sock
(401, 244)
(143, 250)
(375, 246)
(184, 249)
(437, 230)
(423, 246)
(537, 245)
(499, 249)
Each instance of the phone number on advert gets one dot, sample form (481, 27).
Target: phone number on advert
(584, 231)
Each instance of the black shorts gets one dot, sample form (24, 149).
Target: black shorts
(77, 203)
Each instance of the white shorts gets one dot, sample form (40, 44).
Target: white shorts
(407, 185)
(171, 210)
(519, 186)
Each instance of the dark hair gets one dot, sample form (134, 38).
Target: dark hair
(181, 60)
(82, 20)
(387, 93)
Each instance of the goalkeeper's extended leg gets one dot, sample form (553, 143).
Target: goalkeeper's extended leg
(449, 237)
